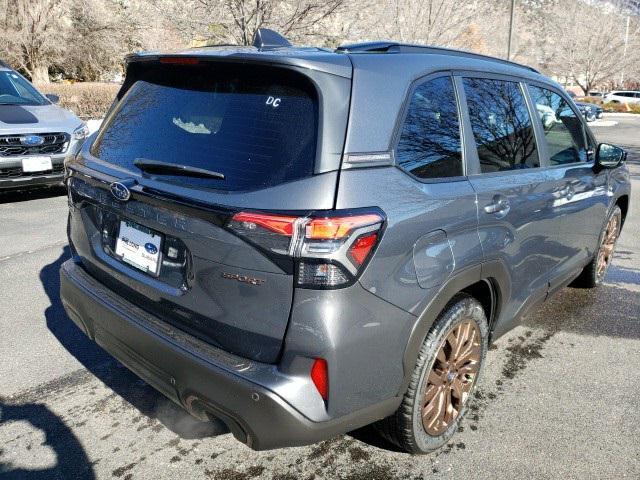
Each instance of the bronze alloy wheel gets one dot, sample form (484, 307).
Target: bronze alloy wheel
(451, 378)
(605, 253)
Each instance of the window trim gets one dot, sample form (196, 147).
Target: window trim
(472, 153)
(404, 111)
(586, 133)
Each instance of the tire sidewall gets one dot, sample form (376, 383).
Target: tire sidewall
(615, 211)
(457, 313)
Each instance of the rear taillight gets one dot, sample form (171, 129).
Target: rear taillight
(329, 250)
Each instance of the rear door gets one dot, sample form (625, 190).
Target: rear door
(173, 243)
(516, 223)
(580, 190)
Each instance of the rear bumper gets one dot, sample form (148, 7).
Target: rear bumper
(204, 380)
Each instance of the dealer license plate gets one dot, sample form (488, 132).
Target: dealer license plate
(138, 246)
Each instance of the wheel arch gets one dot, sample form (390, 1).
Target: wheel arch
(483, 282)
(623, 203)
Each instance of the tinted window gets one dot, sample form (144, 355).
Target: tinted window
(429, 144)
(501, 125)
(257, 126)
(563, 129)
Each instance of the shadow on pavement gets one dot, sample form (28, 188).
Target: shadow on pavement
(15, 196)
(124, 383)
(71, 459)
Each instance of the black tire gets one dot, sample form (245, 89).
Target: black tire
(405, 427)
(590, 118)
(589, 277)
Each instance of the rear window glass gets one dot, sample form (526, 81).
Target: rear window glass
(255, 125)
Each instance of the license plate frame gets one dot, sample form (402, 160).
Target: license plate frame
(139, 246)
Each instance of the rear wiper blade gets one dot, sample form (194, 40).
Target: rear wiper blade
(168, 168)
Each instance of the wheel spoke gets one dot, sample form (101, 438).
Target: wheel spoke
(435, 378)
(442, 358)
(463, 335)
(432, 391)
(458, 390)
(449, 412)
(470, 354)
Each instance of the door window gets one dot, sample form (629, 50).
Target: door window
(563, 129)
(501, 125)
(429, 145)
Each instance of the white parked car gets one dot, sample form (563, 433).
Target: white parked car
(622, 96)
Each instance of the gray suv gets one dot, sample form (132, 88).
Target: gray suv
(35, 134)
(301, 242)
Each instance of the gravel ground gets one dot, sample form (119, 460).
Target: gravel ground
(558, 399)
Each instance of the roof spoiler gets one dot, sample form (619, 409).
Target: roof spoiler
(266, 39)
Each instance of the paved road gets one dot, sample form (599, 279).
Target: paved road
(560, 397)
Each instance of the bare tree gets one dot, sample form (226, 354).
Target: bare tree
(236, 21)
(585, 42)
(32, 35)
(438, 22)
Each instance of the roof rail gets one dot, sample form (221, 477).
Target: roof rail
(266, 39)
(395, 47)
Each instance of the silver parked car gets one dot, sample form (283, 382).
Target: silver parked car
(35, 133)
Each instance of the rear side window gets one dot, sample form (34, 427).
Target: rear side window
(563, 130)
(255, 125)
(501, 125)
(429, 145)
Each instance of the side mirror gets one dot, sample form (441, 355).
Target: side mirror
(609, 156)
(53, 98)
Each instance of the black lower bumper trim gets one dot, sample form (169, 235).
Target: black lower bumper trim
(200, 383)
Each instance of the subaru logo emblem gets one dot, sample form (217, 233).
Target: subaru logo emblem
(151, 248)
(32, 140)
(120, 191)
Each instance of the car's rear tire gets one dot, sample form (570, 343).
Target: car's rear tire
(443, 379)
(594, 273)
(590, 117)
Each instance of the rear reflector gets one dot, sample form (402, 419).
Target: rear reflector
(360, 249)
(320, 377)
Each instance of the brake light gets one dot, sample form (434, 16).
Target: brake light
(329, 250)
(275, 223)
(179, 60)
(320, 377)
(337, 227)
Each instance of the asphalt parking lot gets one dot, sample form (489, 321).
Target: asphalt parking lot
(560, 395)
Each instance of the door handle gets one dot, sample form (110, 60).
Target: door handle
(566, 192)
(500, 205)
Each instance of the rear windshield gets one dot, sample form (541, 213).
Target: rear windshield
(255, 125)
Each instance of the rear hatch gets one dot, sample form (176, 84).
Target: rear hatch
(193, 146)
